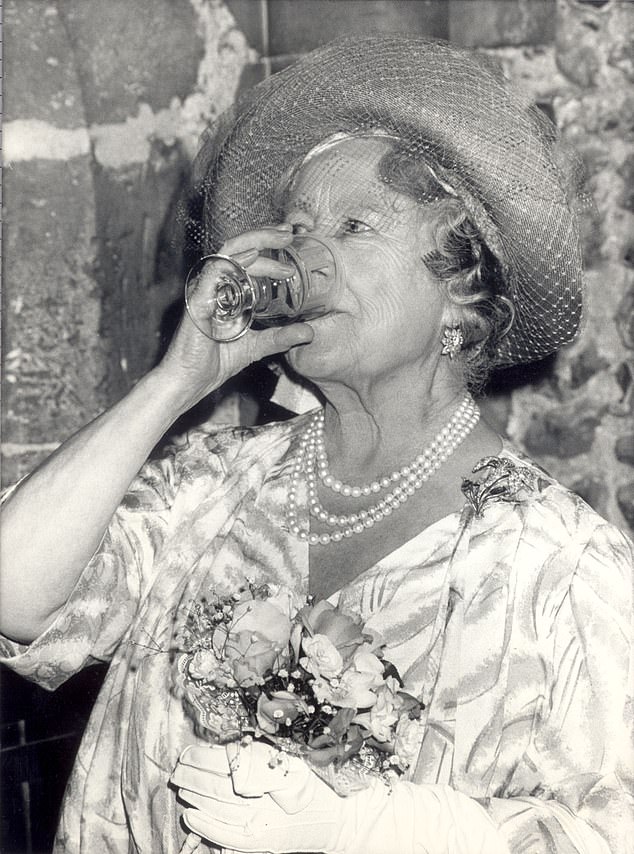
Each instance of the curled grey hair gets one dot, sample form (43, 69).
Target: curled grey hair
(463, 263)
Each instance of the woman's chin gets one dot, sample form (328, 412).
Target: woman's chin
(306, 359)
(327, 356)
(315, 360)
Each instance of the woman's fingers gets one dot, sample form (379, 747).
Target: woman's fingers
(204, 771)
(245, 249)
(277, 339)
(245, 258)
(236, 837)
(264, 266)
(213, 758)
(203, 783)
(256, 768)
(259, 769)
(272, 237)
(257, 265)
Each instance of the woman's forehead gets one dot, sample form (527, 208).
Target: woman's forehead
(346, 171)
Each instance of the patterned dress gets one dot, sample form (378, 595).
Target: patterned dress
(513, 619)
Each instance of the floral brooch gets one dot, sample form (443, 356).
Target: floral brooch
(501, 480)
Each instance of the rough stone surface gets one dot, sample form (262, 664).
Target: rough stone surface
(623, 376)
(625, 500)
(41, 81)
(626, 172)
(585, 365)
(490, 23)
(559, 434)
(251, 17)
(574, 420)
(132, 207)
(625, 319)
(129, 53)
(576, 45)
(296, 26)
(625, 449)
(90, 267)
(54, 360)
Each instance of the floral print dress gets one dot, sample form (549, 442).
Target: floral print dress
(512, 618)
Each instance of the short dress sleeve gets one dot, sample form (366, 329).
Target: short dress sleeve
(109, 590)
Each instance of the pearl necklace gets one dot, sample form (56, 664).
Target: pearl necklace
(312, 461)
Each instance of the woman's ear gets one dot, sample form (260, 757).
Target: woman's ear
(452, 317)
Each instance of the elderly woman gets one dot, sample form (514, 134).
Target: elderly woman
(505, 601)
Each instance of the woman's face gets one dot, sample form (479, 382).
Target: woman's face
(390, 313)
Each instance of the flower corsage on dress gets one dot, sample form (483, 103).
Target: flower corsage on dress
(309, 680)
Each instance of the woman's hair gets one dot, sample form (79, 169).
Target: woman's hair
(470, 273)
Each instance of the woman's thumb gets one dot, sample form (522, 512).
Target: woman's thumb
(283, 338)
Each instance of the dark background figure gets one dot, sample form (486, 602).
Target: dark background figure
(104, 106)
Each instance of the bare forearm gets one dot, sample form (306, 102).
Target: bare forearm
(56, 518)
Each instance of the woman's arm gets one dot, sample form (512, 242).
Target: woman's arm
(249, 799)
(54, 520)
(255, 802)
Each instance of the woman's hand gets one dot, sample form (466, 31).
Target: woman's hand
(194, 365)
(254, 798)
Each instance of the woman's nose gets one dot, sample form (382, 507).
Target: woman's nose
(320, 228)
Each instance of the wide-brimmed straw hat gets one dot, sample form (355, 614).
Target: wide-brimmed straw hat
(453, 107)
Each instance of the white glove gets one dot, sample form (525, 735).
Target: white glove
(253, 798)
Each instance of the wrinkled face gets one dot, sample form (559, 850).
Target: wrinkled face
(390, 313)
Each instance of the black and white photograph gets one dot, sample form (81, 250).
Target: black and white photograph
(317, 427)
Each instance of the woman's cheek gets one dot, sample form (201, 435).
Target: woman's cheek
(380, 287)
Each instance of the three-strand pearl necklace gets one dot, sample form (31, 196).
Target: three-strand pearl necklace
(312, 463)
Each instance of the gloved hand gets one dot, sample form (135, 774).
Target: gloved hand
(254, 798)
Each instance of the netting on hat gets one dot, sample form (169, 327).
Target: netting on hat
(451, 107)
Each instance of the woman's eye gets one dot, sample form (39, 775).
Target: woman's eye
(355, 226)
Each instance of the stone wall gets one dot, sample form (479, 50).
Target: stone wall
(104, 105)
(576, 417)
